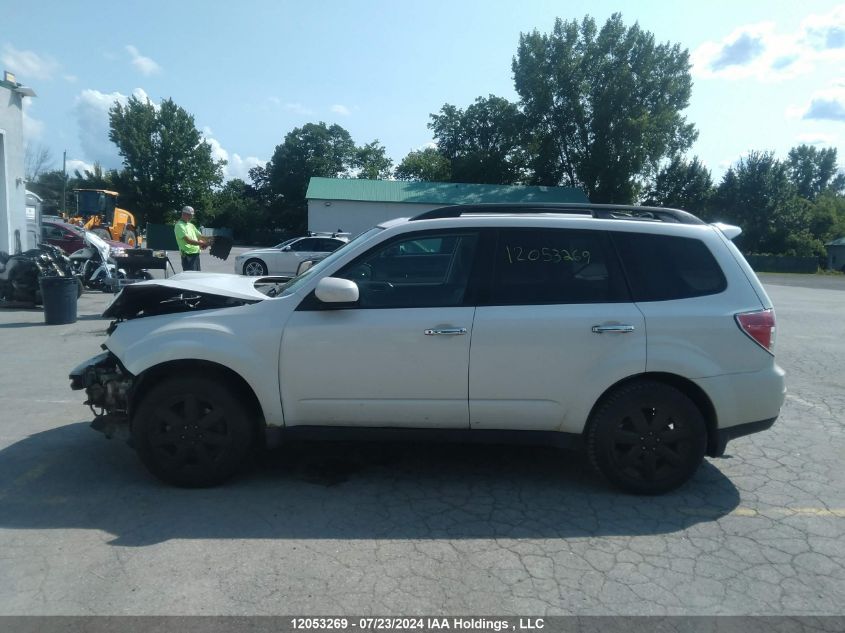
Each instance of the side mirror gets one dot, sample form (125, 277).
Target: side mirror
(285, 249)
(336, 290)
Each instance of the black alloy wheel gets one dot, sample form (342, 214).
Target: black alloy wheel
(647, 438)
(192, 432)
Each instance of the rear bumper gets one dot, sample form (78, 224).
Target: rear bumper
(745, 398)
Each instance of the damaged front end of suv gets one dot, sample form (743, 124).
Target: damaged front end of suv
(108, 386)
(144, 343)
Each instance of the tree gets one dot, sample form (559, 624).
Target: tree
(757, 195)
(37, 160)
(167, 163)
(603, 106)
(237, 206)
(372, 161)
(483, 142)
(683, 185)
(426, 165)
(94, 178)
(314, 149)
(814, 171)
(48, 186)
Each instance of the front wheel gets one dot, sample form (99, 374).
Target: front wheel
(647, 438)
(255, 268)
(129, 237)
(192, 432)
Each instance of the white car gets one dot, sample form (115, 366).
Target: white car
(284, 259)
(638, 334)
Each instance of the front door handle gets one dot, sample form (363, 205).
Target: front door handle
(619, 329)
(449, 331)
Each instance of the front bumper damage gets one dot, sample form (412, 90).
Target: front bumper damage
(108, 386)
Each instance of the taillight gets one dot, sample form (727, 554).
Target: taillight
(760, 326)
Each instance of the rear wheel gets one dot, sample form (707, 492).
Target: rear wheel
(255, 268)
(192, 432)
(647, 438)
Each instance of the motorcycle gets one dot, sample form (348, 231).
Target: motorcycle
(96, 266)
(19, 273)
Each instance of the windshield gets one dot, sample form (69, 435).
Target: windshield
(296, 283)
(90, 203)
(283, 244)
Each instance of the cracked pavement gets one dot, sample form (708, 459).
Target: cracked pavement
(354, 528)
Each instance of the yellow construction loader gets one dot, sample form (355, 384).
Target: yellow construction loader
(96, 210)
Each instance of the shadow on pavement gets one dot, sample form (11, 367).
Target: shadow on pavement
(71, 478)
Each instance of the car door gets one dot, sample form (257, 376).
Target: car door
(288, 260)
(553, 329)
(399, 356)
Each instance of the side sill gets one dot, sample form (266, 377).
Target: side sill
(275, 436)
(732, 432)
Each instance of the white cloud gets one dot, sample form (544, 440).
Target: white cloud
(74, 165)
(298, 108)
(71, 79)
(28, 64)
(341, 109)
(33, 129)
(236, 165)
(827, 105)
(91, 110)
(145, 65)
(816, 138)
(758, 51)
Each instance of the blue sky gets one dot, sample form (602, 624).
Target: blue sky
(768, 75)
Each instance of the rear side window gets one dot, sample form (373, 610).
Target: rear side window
(553, 266)
(665, 267)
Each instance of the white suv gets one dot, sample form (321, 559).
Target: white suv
(640, 334)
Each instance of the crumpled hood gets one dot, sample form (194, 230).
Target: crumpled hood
(186, 292)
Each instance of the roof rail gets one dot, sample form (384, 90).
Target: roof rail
(603, 211)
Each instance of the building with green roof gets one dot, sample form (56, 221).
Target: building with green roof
(354, 205)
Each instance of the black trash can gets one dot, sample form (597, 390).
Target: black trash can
(59, 295)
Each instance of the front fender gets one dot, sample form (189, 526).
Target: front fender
(246, 346)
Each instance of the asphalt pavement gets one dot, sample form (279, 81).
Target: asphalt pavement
(395, 529)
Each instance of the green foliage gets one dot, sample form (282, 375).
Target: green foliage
(237, 206)
(372, 161)
(427, 165)
(167, 163)
(814, 171)
(483, 143)
(48, 185)
(681, 184)
(758, 195)
(603, 106)
(314, 149)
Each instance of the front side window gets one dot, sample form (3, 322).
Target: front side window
(415, 271)
(309, 244)
(552, 266)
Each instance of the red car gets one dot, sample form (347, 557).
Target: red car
(69, 237)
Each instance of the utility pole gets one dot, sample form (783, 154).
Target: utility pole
(64, 182)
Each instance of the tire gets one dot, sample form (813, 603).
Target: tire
(255, 268)
(103, 233)
(141, 274)
(80, 289)
(216, 437)
(129, 237)
(647, 438)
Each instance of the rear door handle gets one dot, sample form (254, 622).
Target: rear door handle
(618, 329)
(448, 331)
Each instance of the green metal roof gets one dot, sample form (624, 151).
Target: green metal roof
(434, 192)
